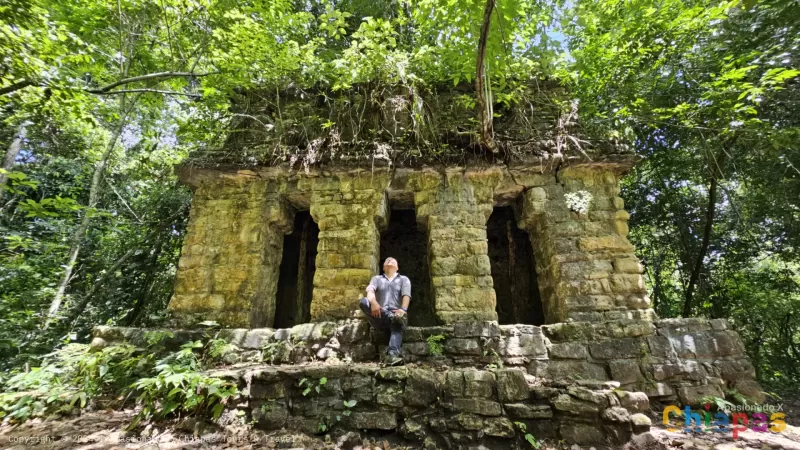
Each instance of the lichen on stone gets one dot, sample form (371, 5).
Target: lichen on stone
(578, 201)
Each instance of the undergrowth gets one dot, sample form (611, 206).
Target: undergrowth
(162, 383)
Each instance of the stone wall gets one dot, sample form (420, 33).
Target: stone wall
(440, 409)
(585, 266)
(228, 270)
(671, 360)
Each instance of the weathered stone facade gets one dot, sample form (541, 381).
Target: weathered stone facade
(556, 376)
(585, 265)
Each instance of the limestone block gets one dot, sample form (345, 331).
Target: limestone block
(389, 395)
(635, 402)
(479, 383)
(423, 387)
(679, 326)
(627, 265)
(707, 345)
(658, 390)
(735, 369)
(526, 411)
(463, 347)
(618, 348)
(470, 421)
(616, 414)
(641, 422)
(681, 369)
(372, 420)
(624, 283)
(613, 243)
(693, 395)
(270, 415)
(267, 391)
(476, 329)
(511, 385)
(589, 395)
(477, 406)
(751, 390)
(454, 383)
(554, 370)
(499, 427)
(569, 350)
(625, 371)
(570, 405)
(523, 344)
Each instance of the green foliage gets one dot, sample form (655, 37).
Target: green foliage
(162, 383)
(68, 379)
(529, 438)
(309, 385)
(719, 403)
(435, 346)
(178, 387)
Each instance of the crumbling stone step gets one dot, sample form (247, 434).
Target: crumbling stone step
(671, 360)
(444, 407)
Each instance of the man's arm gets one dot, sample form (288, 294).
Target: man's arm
(374, 307)
(405, 291)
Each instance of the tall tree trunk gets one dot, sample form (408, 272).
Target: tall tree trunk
(11, 154)
(716, 167)
(80, 232)
(483, 86)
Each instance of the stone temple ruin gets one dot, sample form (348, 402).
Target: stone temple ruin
(528, 304)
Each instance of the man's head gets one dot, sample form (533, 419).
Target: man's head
(390, 266)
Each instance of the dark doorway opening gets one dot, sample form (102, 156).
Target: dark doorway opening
(406, 243)
(513, 270)
(296, 279)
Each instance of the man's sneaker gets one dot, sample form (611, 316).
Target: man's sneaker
(393, 360)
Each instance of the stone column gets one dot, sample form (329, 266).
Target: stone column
(350, 209)
(229, 265)
(454, 207)
(586, 266)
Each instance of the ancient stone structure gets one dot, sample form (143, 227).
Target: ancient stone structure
(528, 304)
(585, 268)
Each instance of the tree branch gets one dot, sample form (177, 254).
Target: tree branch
(21, 84)
(155, 91)
(150, 76)
(716, 174)
(483, 88)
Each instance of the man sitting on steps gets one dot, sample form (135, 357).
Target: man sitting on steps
(386, 306)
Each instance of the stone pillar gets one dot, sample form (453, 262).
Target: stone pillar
(350, 209)
(586, 266)
(454, 207)
(229, 265)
